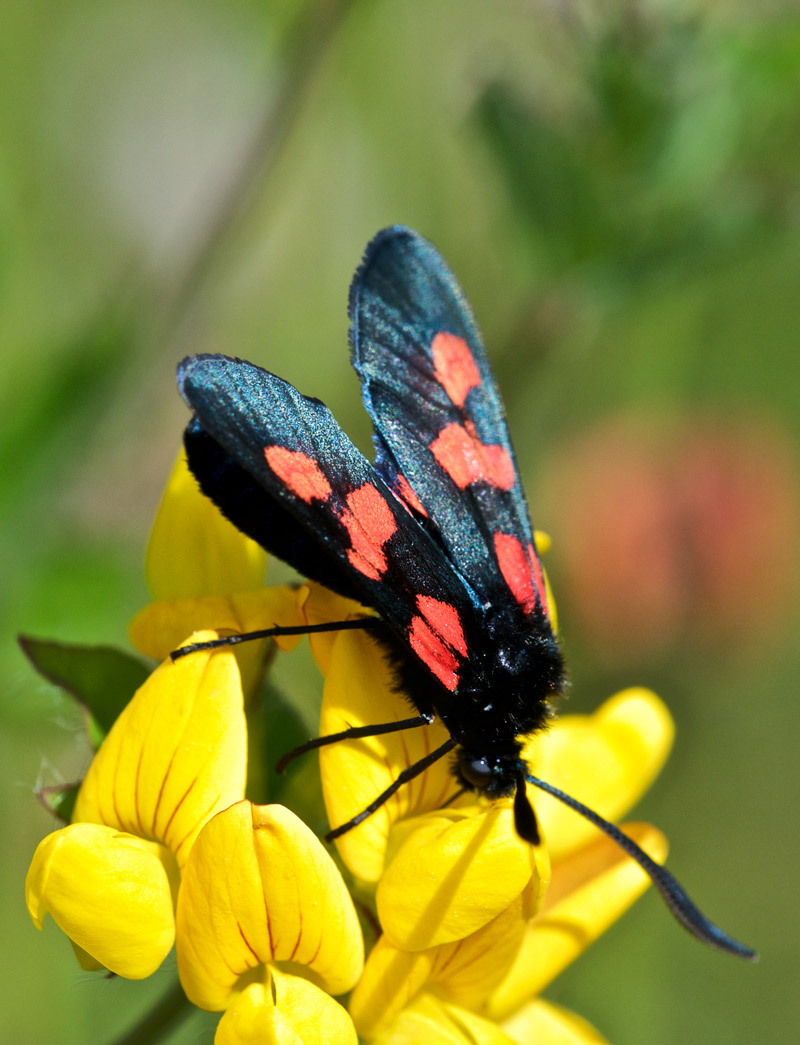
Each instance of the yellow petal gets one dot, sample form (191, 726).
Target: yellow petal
(589, 890)
(259, 887)
(552, 610)
(468, 971)
(161, 627)
(464, 972)
(453, 873)
(360, 689)
(194, 550)
(391, 980)
(175, 756)
(547, 1024)
(607, 760)
(85, 960)
(110, 892)
(288, 1011)
(543, 544)
(319, 605)
(431, 1021)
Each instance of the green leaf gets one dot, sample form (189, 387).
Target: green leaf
(103, 679)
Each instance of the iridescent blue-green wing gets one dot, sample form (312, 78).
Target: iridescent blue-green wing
(440, 431)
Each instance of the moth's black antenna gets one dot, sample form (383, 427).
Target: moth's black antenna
(403, 778)
(672, 893)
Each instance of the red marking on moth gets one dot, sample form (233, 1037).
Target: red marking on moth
(521, 571)
(433, 652)
(467, 460)
(369, 523)
(301, 473)
(403, 490)
(444, 620)
(454, 366)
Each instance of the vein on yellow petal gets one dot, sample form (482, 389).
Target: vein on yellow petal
(314, 956)
(269, 927)
(117, 818)
(452, 956)
(141, 832)
(235, 973)
(247, 944)
(177, 805)
(200, 818)
(299, 934)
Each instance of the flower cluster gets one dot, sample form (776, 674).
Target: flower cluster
(466, 924)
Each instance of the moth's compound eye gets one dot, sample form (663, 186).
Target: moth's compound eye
(476, 771)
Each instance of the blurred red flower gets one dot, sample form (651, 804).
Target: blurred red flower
(675, 531)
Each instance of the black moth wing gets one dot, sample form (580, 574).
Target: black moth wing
(251, 425)
(246, 503)
(439, 422)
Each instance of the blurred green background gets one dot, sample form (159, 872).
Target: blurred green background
(616, 186)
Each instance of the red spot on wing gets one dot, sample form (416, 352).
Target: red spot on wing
(299, 472)
(454, 366)
(403, 490)
(369, 523)
(521, 571)
(436, 637)
(467, 460)
(374, 514)
(365, 515)
(434, 653)
(444, 620)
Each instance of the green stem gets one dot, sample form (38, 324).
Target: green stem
(172, 1009)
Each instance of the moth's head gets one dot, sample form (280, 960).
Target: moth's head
(494, 774)
(498, 776)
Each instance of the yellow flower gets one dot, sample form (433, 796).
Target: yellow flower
(468, 866)
(456, 972)
(588, 892)
(475, 923)
(492, 971)
(466, 861)
(266, 927)
(175, 756)
(284, 1010)
(110, 892)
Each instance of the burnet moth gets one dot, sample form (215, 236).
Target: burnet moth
(434, 534)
